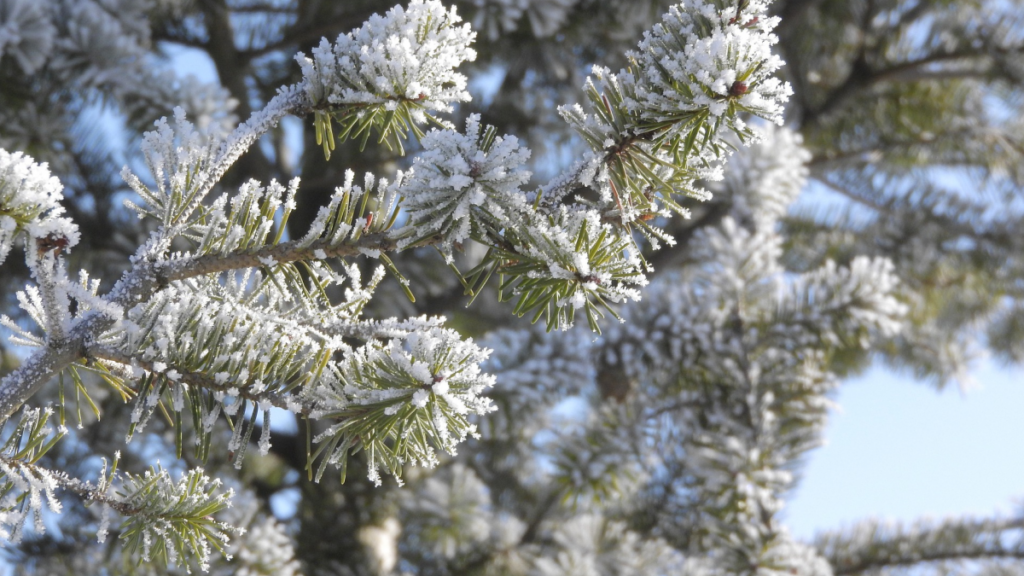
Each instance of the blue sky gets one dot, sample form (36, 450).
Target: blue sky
(899, 449)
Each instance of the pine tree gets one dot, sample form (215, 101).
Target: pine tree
(607, 356)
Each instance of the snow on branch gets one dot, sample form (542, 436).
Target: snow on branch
(241, 319)
(712, 387)
(401, 400)
(567, 262)
(711, 56)
(390, 74)
(173, 523)
(464, 180)
(186, 163)
(165, 521)
(655, 127)
(22, 485)
(30, 204)
(179, 159)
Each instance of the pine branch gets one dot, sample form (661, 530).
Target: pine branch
(88, 492)
(200, 380)
(169, 521)
(295, 251)
(46, 268)
(290, 100)
(863, 78)
(141, 282)
(874, 545)
(202, 331)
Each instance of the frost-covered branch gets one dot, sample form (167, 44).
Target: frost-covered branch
(30, 205)
(188, 184)
(166, 521)
(184, 268)
(88, 492)
(186, 167)
(222, 315)
(715, 384)
(194, 379)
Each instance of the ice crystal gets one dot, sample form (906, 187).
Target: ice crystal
(704, 55)
(572, 261)
(425, 386)
(408, 54)
(30, 203)
(463, 179)
(179, 160)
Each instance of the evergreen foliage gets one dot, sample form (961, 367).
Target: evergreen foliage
(267, 340)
